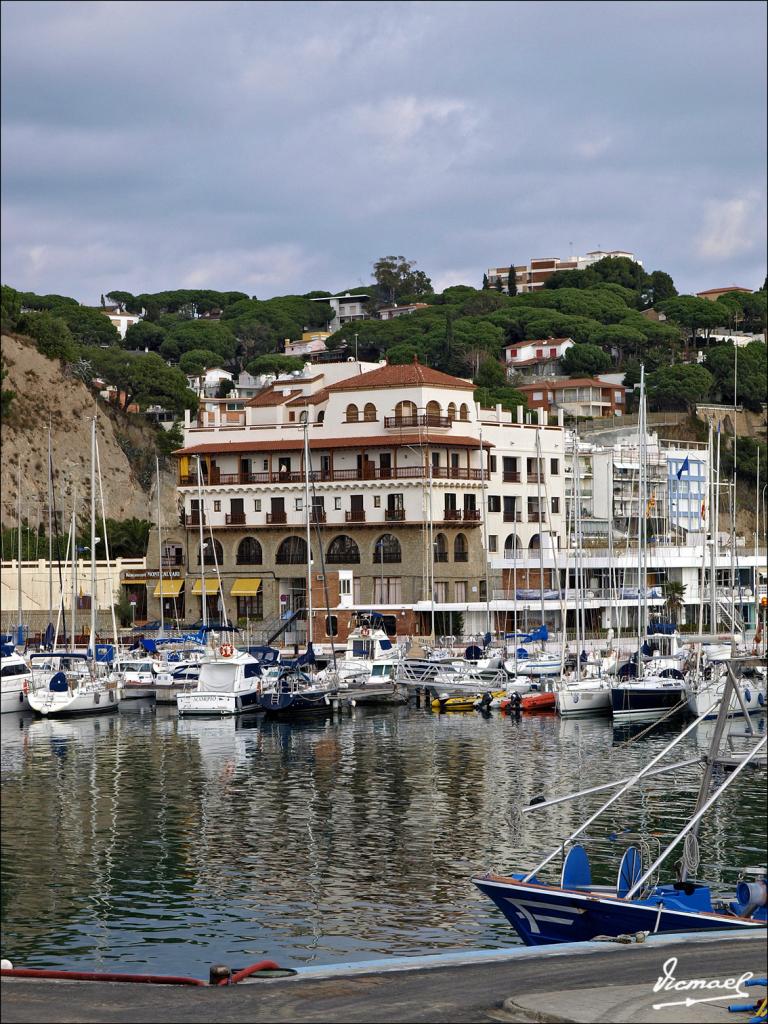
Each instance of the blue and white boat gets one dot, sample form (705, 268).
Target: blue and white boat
(574, 909)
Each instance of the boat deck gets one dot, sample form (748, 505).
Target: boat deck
(596, 981)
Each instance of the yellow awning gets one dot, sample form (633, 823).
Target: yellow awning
(245, 587)
(170, 588)
(211, 587)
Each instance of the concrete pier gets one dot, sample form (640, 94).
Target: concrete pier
(589, 982)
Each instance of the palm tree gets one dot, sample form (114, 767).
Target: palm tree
(674, 592)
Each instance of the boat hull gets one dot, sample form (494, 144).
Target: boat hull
(204, 703)
(575, 702)
(638, 704)
(707, 700)
(544, 915)
(535, 702)
(13, 700)
(298, 703)
(50, 703)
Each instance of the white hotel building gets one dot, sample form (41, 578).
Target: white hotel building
(402, 464)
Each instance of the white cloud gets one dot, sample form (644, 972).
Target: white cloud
(591, 149)
(730, 227)
(263, 271)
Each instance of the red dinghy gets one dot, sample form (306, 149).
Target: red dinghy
(533, 702)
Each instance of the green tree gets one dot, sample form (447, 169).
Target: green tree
(674, 592)
(143, 378)
(51, 335)
(144, 335)
(658, 288)
(511, 281)
(128, 538)
(125, 300)
(6, 394)
(750, 364)
(198, 360)
(680, 386)
(485, 282)
(274, 364)
(88, 326)
(693, 314)
(211, 336)
(491, 374)
(10, 308)
(585, 360)
(396, 276)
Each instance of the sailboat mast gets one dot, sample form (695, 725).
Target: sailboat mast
(641, 524)
(431, 535)
(50, 527)
(93, 539)
(485, 536)
(541, 528)
(160, 549)
(310, 632)
(19, 630)
(74, 564)
(202, 552)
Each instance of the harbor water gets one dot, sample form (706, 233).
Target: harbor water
(139, 841)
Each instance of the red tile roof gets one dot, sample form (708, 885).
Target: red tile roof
(323, 444)
(402, 375)
(272, 397)
(316, 399)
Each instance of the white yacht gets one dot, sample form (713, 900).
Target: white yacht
(66, 683)
(16, 678)
(227, 685)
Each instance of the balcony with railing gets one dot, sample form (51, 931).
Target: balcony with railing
(234, 519)
(471, 515)
(355, 515)
(513, 517)
(366, 472)
(452, 515)
(318, 515)
(511, 477)
(394, 515)
(422, 419)
(276, 518)
(192, 519)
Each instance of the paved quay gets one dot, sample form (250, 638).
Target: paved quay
(591, 982)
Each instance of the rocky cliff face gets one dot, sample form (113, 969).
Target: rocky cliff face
(126, 445)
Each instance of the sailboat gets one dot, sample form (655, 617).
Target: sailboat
(647, 690)
(68, 682)
(574, 909)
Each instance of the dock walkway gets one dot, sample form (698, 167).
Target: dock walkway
(590, 982)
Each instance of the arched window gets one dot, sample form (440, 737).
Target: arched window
(249, 552)
(369, 412)
(353, 414)
(387, 549)
(535, 542)
(433, 409)
(464, 411)
(320, 416)
(441, 548)
(405, 411)
(451, 410)
(292, 551)
(209, 552)
(460, 548)
(342, 550)
(511, 546)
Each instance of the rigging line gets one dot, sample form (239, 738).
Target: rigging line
(326, 595)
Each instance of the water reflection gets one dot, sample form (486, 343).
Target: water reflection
(167, 844)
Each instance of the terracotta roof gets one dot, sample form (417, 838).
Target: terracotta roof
(316, 399)
(402, 375)
(726, 288)
(272, 397)
(323, 444)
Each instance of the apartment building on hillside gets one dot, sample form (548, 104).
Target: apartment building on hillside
(531, 277)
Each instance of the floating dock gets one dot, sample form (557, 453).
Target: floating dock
(583, 982)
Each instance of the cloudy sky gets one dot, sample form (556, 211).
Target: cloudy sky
(281, 147)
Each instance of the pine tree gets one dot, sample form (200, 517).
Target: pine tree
(486, 286)
(512, 281)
